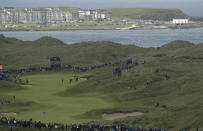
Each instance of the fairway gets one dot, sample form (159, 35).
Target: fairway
(49, 106)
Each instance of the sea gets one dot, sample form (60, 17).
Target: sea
(141, 38)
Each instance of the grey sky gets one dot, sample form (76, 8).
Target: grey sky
(192, 7)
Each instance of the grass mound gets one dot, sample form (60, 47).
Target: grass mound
(177, 45)
(49, 41)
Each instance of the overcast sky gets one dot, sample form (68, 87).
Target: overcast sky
(191, 7)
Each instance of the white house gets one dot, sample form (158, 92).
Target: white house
(180, 21)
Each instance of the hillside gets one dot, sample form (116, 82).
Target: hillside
(179, 97)
(147, 14)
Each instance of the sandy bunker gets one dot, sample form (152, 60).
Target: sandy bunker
(120, 115)
(26, 85)
(8, 113)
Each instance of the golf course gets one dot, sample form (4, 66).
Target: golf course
(164, 90)
(55, 107)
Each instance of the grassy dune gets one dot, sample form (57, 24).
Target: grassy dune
(15, 53)
(180, 97)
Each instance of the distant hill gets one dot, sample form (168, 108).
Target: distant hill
(147, 14)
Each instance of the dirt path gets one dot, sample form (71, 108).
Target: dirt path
(120, 115)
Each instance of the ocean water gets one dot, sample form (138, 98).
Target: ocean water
(142, 38)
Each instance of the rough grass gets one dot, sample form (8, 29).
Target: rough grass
(180, 97)
(37, 53)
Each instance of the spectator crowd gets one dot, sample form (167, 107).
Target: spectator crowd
(6, 74)
(30, 124)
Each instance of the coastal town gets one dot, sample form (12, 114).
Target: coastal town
(10, 15)
(67, 18)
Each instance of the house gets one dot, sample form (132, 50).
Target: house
(180, 21)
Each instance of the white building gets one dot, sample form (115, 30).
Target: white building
(180, 21)
(84, 12)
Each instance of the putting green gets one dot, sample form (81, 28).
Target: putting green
(55, 108)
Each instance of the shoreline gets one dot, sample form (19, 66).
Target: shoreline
(98, 29)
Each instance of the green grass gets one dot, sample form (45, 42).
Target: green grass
(85, 25)
(147, 14)
(43, 98)
(180, 98)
